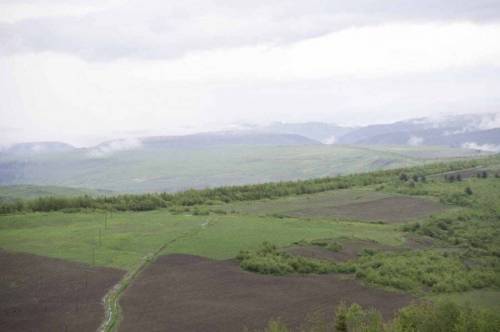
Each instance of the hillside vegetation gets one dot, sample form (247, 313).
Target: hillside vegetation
(237, 193)
(167, 168)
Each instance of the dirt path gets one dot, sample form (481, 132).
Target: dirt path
(113, 312)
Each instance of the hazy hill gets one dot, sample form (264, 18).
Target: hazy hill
(226, 138)
(37, 148)
(453, 131)
(272, 153)
(32, 191)
(319, 131)
(179, 168)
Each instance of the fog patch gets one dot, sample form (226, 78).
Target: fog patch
(415, 141)
(490, 121)
(481, 147)
(330, 140)
(107, 149)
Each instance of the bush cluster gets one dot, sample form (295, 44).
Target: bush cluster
(267, 259)
(422, 270)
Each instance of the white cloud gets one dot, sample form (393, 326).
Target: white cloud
(106, 149)
(481, 147)
(77, 68)
(490, 121)
(155, 29)
(358, 52)
(415, 141)
(330, 140)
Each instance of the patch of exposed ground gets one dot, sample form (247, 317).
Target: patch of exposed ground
(46, 294)
(190, 293)
(418, 242)
(391, 209)
(351, 249)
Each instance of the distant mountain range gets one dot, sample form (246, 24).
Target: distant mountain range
(254, 154)
(481, 132)
(469, 131)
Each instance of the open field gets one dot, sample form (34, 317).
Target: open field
(45, 294)
(189, 293)
(347, 204)
(130, 236)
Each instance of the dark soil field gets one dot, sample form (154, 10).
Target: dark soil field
(46, 294)
(190, 293)
(391, 209)
(351, 248)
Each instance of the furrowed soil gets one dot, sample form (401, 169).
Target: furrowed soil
(391, 209)
(350, 250)
(190, 293)
(47, 294)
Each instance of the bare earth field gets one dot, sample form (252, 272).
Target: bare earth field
(352, 204)
(46, 294)
(191, 293)
(391, 209)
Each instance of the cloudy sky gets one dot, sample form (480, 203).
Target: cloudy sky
(85, 70)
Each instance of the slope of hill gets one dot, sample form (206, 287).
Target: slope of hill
(319, 131)
(453, 131)
(31, 148)
(173, 168)
(32, 191)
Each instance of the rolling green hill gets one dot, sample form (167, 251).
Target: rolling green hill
(173, 169)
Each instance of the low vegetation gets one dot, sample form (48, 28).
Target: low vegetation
(268, 260)
(432, 270)
(418, 317)
(235, 193)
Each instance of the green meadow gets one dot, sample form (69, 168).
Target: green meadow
(126, 237)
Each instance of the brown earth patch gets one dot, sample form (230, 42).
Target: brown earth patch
(46, 294)
(190, 293)
(390, 209)
(418, 242)
(351, 249)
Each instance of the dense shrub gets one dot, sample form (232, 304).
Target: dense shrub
(267, 259)
(417, 271)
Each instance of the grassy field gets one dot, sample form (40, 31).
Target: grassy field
(131, 236)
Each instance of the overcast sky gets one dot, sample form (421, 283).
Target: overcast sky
(86, 70)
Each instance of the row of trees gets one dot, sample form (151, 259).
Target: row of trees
(231, 193)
